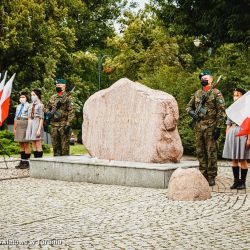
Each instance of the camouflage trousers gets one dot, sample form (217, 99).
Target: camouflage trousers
(60, 141)
(206, 151)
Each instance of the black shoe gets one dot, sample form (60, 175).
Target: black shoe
(19, 165)
(241, 185)
(235, 185)
(211, 182)
(25, 165)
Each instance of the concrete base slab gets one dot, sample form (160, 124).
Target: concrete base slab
(87, 169)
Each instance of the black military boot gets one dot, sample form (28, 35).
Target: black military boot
(21, 161)
(211, 181)
(242, 183)
(236, 173)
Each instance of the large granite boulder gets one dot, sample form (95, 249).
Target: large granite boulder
(188, 185)
(131, 122)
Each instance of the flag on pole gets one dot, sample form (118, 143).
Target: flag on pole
(2, 84)
(239, 112)
(5, 100)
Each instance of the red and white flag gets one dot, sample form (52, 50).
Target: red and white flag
(2, 84)
(239, 112)
(5, 100)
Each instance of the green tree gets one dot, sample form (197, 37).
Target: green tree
(34, 38)
(42, 40)
(221, 21)
(147, 53)
(143, 48)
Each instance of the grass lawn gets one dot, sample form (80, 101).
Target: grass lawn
(77, 149)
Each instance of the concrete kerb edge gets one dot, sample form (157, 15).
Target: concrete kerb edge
(103, 172)
(126, 164)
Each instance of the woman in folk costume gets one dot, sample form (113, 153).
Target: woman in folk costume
(20, 127)
(237, 143)
(34, 131)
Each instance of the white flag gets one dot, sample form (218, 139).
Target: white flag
(240, 109)
(5, 100)
(2, 84)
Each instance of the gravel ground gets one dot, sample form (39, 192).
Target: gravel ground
(47, 214)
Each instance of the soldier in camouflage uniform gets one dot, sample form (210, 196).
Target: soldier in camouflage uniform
(207, 126)
(61, 120)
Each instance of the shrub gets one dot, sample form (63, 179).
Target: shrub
(7, 141)
(6, 134)
(12, 147)
(46, 148)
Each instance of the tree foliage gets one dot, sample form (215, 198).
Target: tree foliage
(221, 21)
(147, 52)
(42, 40)
(142, 49)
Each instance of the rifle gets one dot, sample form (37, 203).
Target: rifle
(200, 108)
(48, 115)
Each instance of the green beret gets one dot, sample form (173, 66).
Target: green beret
(61, 81)
(204, 73)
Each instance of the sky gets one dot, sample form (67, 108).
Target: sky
(140, 3)
(140, 6)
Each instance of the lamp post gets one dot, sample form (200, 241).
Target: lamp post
(197, 42)
(100, 58)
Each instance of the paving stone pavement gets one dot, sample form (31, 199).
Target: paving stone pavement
(46, 214)
(8, 171)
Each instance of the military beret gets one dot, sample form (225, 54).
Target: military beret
(204, 73)
(61, 81)
(241, 90)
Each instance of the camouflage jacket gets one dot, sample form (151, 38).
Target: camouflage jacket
(213, 114)
(64, 115)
